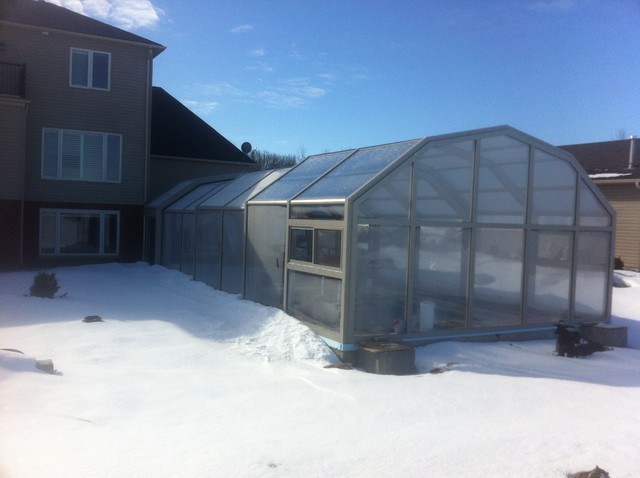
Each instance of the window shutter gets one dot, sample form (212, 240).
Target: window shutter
(50, 154)
(92, 157)
(70, 155)
(114, 155)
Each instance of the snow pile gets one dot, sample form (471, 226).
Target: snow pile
(183, 380)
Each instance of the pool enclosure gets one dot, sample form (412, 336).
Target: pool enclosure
(201, 226)
(476, 233)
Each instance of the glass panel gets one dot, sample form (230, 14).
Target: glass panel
(79, 68)
(554, 190)
(266, 233)
(502, 180)
(70, 155)
(171, 235)
(328, 247)
(241, 200)
(79, 234)
(318, 211)
(232, 251)
(497, 281)
(381, 279)
(187, 255)
(592, 276)
(50, 154)
(549, 281)
(314, 299)
(592, 212)
(301, 176)
(48, 233)
(192, 197)
(100, 77)
(355, 171)
(301, 245)
(110, 234)
(389, 198)
(440, 278)
(113, 157)
(196, 200)
(445, 181)
(92, 156)
(208, 247)
(234, 189)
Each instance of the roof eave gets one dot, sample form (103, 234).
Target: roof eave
(156, 48)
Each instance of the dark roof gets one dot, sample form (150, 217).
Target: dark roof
(607, 157)
(39, 13)
(178, 132)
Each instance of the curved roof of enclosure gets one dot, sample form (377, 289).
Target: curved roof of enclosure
(337, 177)
(241, 189)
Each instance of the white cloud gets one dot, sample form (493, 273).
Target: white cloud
(261, 67)
(127, 14)
(221, 89)
(293, 93)
(241, 29)
(328, 77)
(201, 107)
(257, 52)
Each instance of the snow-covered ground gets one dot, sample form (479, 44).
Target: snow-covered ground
(184, 381)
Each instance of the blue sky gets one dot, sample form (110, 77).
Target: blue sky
(323, 75)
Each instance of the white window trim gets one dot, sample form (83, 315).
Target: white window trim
(89, 85)
(79, 212)
(59, 176)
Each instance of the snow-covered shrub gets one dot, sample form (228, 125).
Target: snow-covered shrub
(44, 284)
(618, 264)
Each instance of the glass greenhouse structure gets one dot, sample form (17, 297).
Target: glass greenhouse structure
(487, 232)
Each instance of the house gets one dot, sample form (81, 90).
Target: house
(485, 233)
(183, 146)
(77, 164)
(614, 166)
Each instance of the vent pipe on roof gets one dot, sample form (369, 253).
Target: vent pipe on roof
(632, 152)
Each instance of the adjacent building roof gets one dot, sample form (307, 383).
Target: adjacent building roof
(608, 160)
(177, 132)
(38, 13)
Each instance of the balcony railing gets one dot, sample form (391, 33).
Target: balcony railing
(12, 79)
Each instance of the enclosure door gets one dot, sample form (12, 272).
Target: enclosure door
(264, 269)
(232, 250)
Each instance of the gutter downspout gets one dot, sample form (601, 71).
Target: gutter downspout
(147, 154)
(24, 182)
(147, 137)
(632, 152)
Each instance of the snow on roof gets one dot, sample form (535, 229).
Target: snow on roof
(608, 175)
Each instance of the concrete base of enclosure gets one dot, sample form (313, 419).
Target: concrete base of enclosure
(605, 334)
(386, 358)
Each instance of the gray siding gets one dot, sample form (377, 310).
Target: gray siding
(54, 104)
(625, 199)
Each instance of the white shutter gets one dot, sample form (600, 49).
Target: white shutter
(70, 155)
(114, 156)
(50, 153)
(92, 156)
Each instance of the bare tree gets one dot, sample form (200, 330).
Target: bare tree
(267, 160)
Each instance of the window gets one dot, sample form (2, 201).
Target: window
(322, 248)
(80, 155)
(74, 232)
(89, 69)
(301, 245)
